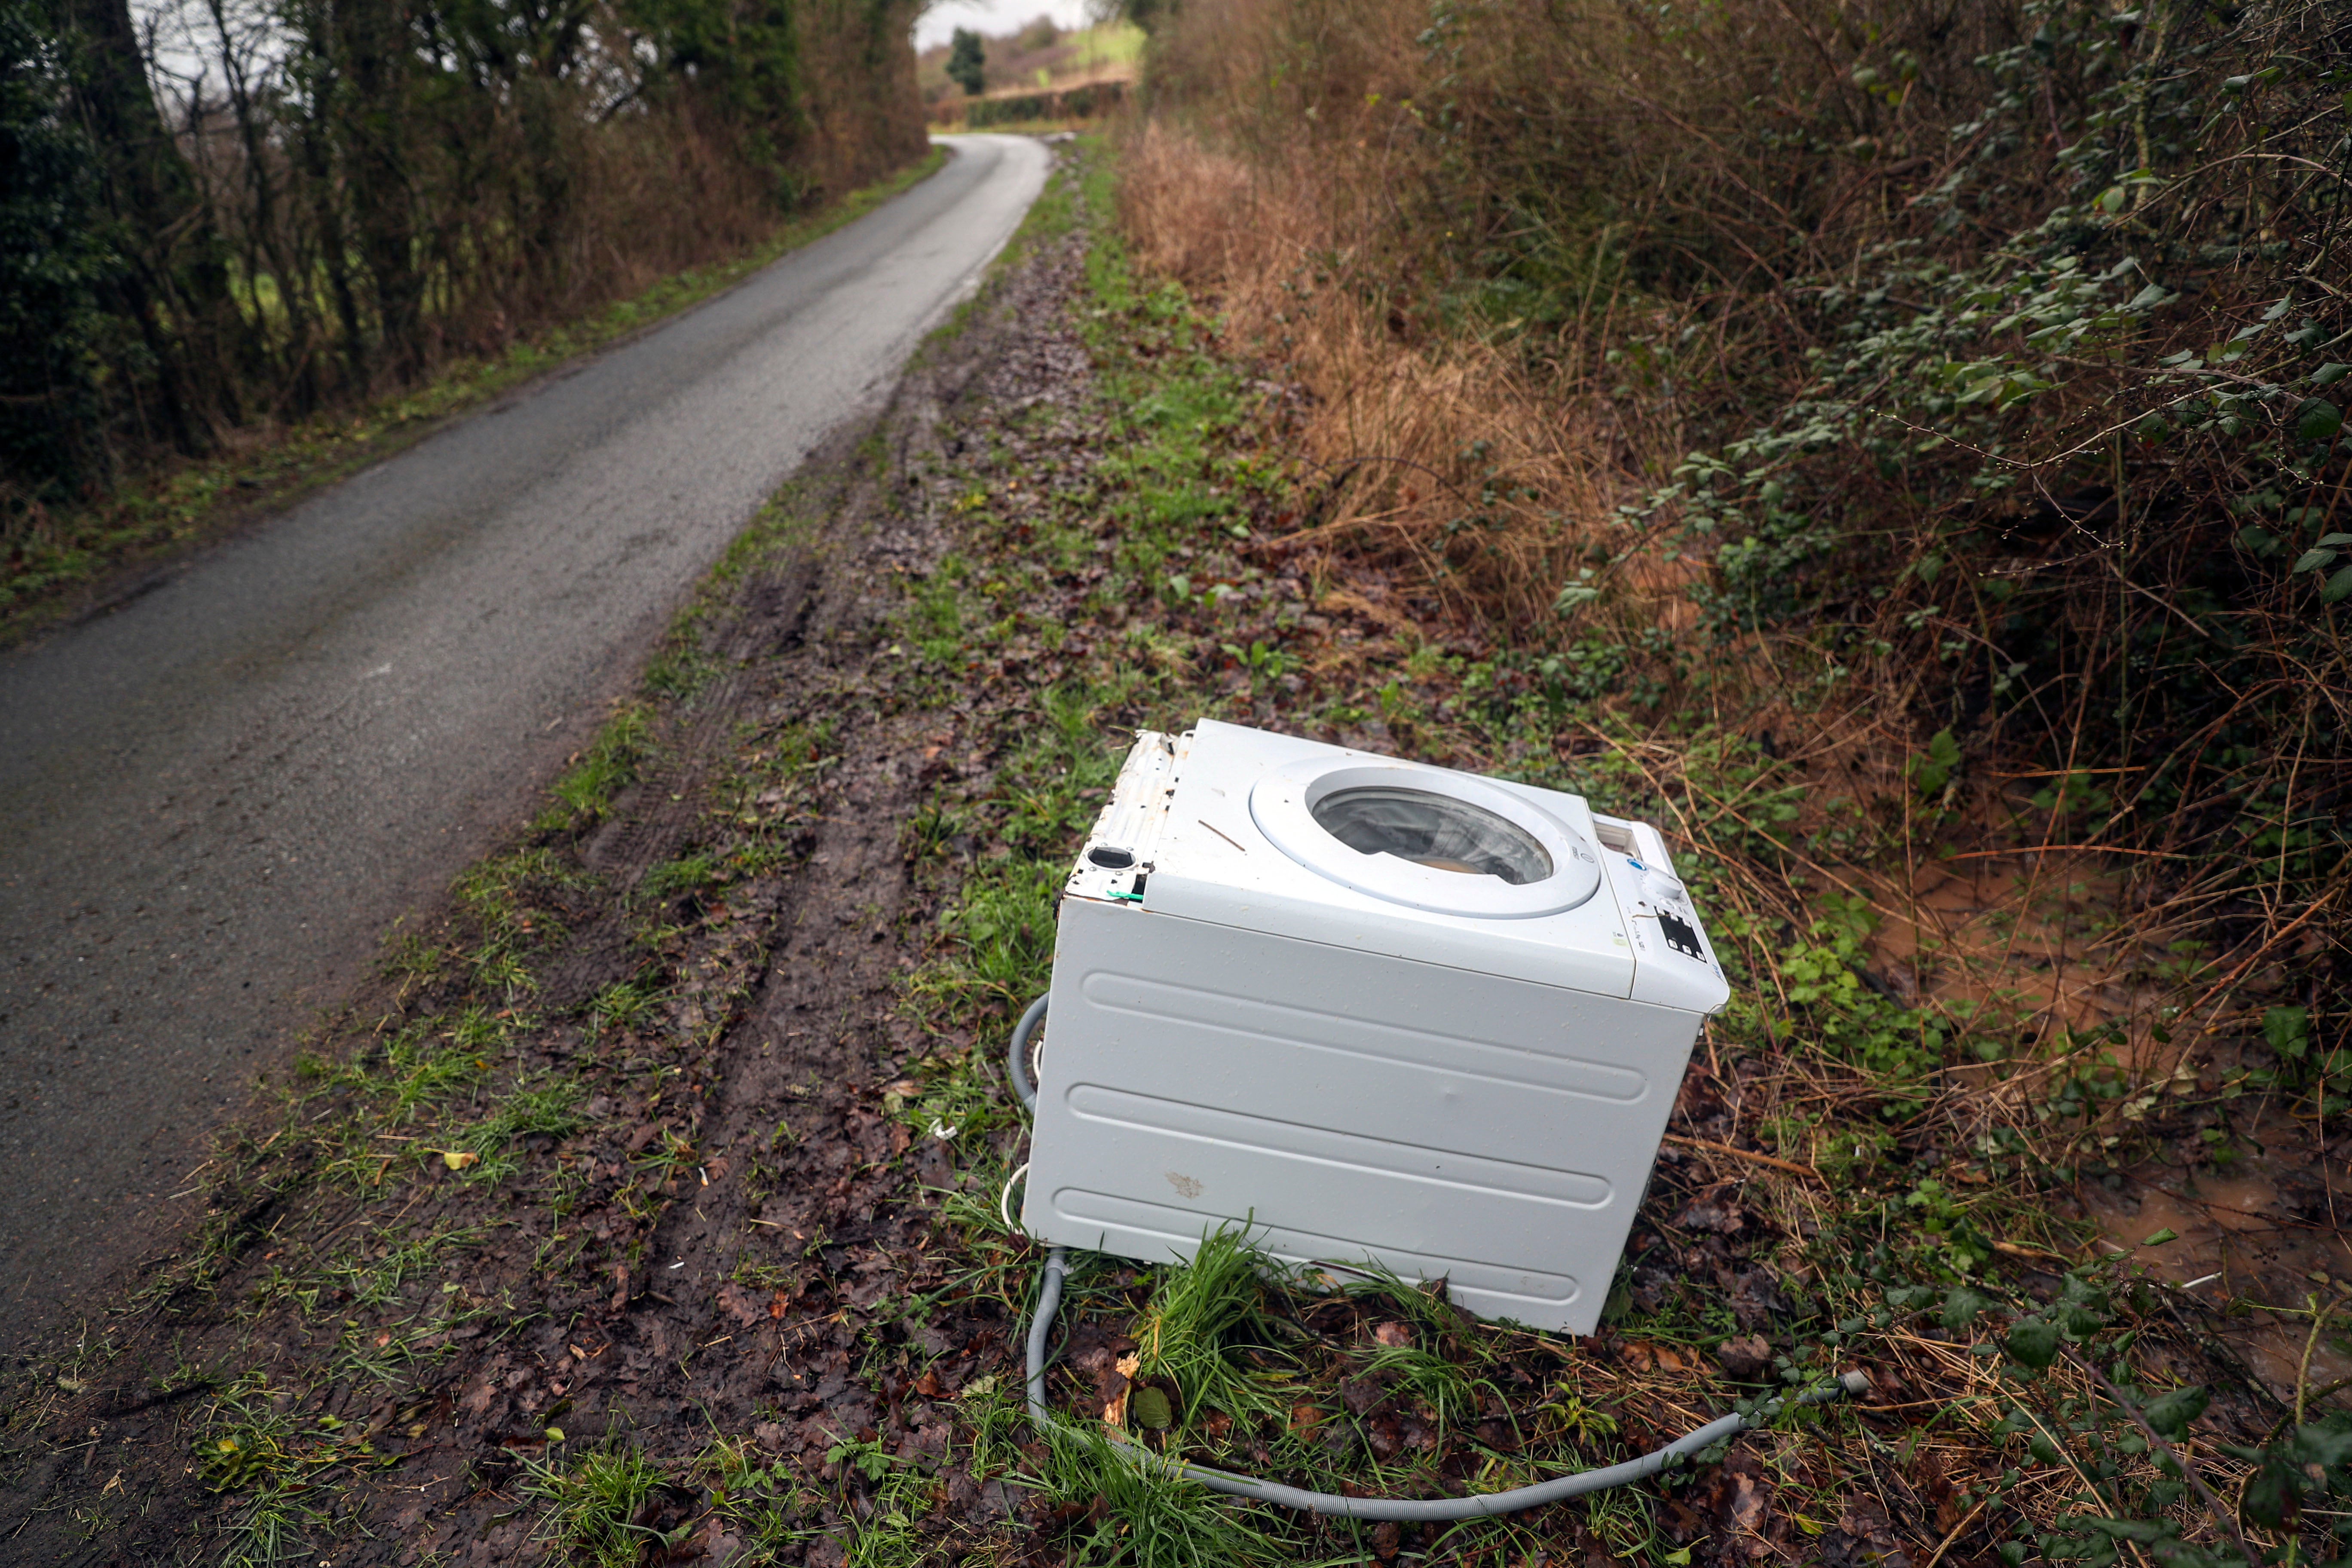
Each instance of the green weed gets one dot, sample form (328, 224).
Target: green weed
(624, 1005)
(549, 1110)
(585, 795)
(1147, 1519)
(251, 1444)
(902, 1495)
(687, 874)
(1002, 928)
(595, 1506)
(666, 1158)
(1200, 1314)
(956, 1096)
(377, 1282)
(764, 1500)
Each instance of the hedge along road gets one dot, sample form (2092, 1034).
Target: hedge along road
(215, 800)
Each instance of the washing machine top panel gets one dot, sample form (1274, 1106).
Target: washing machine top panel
(1183, 812)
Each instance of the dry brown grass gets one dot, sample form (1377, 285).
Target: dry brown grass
(1406, 435)
(1294, 174)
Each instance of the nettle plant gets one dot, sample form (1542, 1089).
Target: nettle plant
(2109, 1466)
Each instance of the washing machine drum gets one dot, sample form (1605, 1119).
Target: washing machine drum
(1445, 842)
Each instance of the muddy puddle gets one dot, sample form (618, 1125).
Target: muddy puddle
(1974, 932)
(2260, 1238)
(2255, 1207)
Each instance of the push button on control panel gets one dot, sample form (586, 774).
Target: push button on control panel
(1680, 934)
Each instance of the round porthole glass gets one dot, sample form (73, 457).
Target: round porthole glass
(1434, 830)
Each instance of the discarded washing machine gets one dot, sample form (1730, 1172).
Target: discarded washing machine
(1378, 1013)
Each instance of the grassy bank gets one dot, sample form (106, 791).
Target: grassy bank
(1932, 395)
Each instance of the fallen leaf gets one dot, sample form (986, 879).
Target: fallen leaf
(1746, 1504)
(458, 1159)
(1715, 1212)
(740, 1304)
(1746, 1359)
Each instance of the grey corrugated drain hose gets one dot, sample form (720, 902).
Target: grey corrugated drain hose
(1404, 1510)
(1016, 1061)
(1408, 1510)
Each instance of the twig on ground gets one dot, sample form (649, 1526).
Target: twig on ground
(1774, 1161)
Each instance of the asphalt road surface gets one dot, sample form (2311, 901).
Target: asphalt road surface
(215, 800)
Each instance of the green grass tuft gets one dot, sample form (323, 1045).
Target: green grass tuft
(1200, 1313)
(593, 1507)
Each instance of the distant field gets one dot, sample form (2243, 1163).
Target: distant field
(1036, 58)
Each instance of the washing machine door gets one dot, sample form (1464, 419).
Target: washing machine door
(1425, 838)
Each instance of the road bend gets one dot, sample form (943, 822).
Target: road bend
(215, 800)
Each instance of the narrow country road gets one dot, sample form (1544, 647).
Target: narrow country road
(214, 801)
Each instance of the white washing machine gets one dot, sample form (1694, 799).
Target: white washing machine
(1380, 1012)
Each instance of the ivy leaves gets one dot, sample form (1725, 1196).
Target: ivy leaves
(2114, 313)
(2317, 1460)
(1933, 769)
(2317, 419)
(2034, 1342)
(2168, 1414)
(2319, 558)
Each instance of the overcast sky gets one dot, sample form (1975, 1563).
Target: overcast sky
(996, 18)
